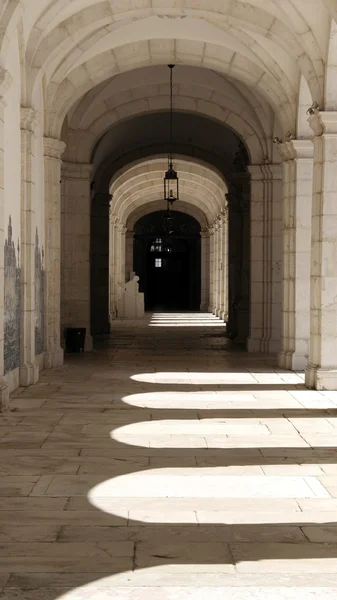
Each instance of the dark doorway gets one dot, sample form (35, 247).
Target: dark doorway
(167, 260)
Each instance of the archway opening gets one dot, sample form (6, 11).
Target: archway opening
(167, 258)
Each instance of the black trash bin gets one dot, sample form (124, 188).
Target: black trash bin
(75, 339)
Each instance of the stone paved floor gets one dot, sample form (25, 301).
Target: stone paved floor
(167, 465)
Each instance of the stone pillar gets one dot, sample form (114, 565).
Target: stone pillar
(297, 199)
(53, 150)
(205, 270)
(5, 82)
(75, 251)
(211, 268)
(216, 267)
(99, 263)
(128, 254)
(112, 269)
(266, 258)
(121, 254)
(29, 368)
(321, 372)
(224, 266)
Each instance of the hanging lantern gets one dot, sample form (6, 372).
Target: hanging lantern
(171, 180)
(171, 185)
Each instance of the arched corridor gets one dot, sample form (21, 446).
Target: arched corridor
(165, 464)
(168, 209)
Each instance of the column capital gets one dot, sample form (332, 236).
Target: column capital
(204, 233)
(324, 122)
(71, 170)
(29, 119)
(112, 216)
(296, 149)
(53, 148)
(224, 214)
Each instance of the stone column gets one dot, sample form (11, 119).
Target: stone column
(112, 267)
(29, 368)
(256, 259)
(99, 262)
(216, 267)
(121, 270)
(211, 268)
(297, 200)
(266, 258)
(75, 242)
(5, 82)
(321, 372)
(53, 150)
(224, 266)
(128, 254)
(219, 267)
(205, 270)
(116, 263)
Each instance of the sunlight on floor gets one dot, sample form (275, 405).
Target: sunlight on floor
(185, 320)
(209, 378)
(162, 468)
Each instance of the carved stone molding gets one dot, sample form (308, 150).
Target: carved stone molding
(29, 119)
(53, 148)
(323, 123)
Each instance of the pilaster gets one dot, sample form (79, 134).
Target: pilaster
(216, 267)
(5, 82)
(112, 266)
(29, 368)
(223, 314)
(211, 268)
(205, 270)
(321, 372)
(53, 150)
(75, 264)
(266, 258)
(297, 199)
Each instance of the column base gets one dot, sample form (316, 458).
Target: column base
(88, 344)
(204, 308)
(263, 346)
(29, 374)
(292, 361)
(320, 379)
(53, 360)
(4, 395)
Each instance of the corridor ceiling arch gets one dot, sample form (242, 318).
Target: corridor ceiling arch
(157, 205)
(144, 91)
(142, 183)
(76, 45)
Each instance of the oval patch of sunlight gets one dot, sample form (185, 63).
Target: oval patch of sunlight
(188, 378)
(156, 433)
(189, 400)
(122, 494)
